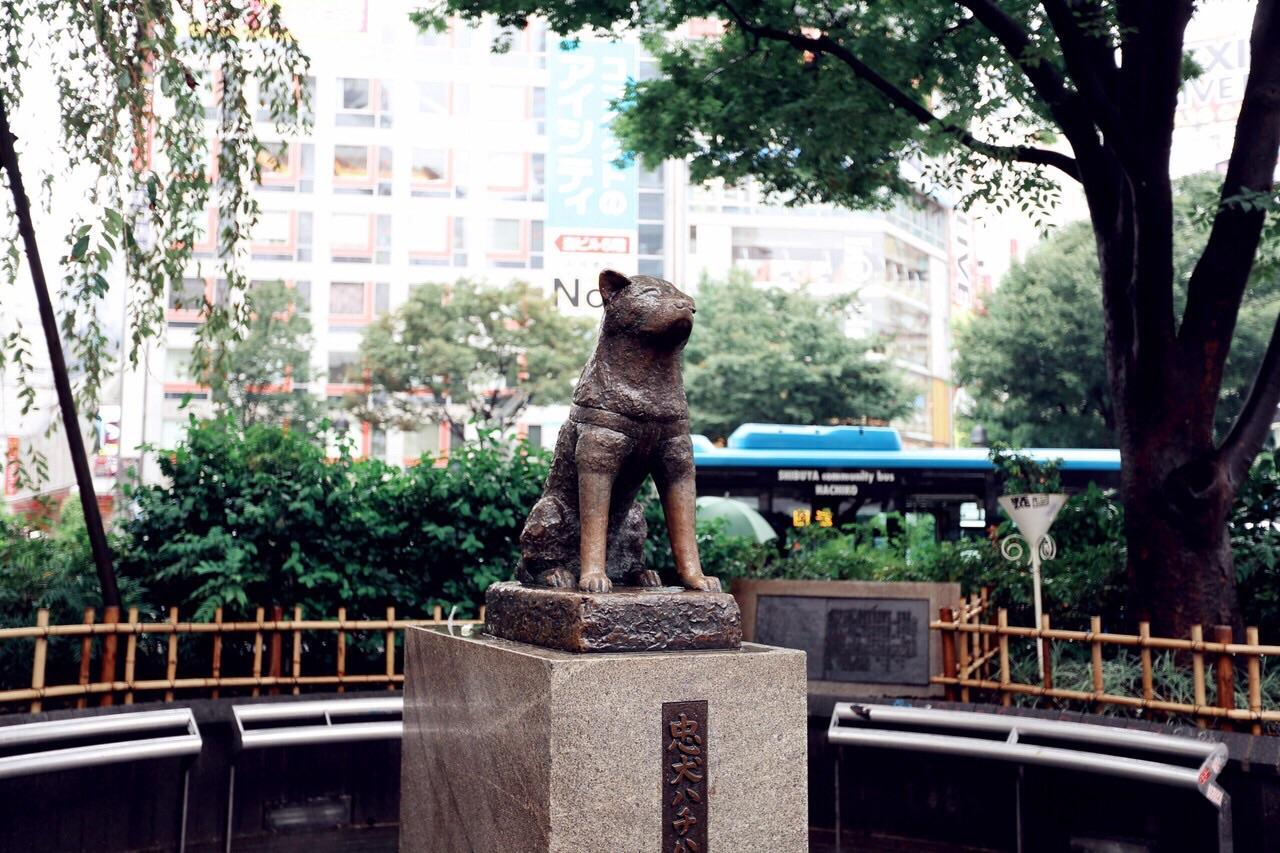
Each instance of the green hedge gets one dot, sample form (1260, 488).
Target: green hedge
(260, 516)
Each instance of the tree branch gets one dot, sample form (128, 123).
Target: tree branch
(1064, 105)
(904, 101)
(1090, 61)
(1221, 275)
(1250, 430)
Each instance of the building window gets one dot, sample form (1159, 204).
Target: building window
(346, 299)
(353, 304)
(363, 103)
(430, 241)
(431, 173)
(516, 244)
(362, 170)
(360, 238)
(287, 167)
(282, 235)
(420, 442)
(434, 98)
(189, 297)
(344, 369)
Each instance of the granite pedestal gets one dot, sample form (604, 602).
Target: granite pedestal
(510, 748)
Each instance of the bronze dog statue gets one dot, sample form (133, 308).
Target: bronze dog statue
(629, 420)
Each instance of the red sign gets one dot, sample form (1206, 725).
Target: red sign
(598, 244)
(11, 466)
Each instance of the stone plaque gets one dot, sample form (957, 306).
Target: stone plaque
(864, 640)
(685, 764)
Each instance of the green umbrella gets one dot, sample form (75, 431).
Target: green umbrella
(739, 519)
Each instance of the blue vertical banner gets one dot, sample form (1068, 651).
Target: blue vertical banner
(591, 202)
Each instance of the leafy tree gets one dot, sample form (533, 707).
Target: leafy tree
(781, 356)
(260, 374)
(490, 350)
(1004, 99)
(136, 84)
(1035, 362)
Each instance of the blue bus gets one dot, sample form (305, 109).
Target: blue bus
(800, 475)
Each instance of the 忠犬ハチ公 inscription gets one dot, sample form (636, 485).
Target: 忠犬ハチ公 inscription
(684, 777)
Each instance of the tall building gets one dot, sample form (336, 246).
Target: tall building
(433, 158)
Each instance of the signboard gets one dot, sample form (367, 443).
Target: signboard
(591, 201)
(858, 640)
(685, 767)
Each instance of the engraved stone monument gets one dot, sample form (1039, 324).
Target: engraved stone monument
(600, 709)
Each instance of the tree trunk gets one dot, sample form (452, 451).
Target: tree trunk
(61, 380)
(1180, 566)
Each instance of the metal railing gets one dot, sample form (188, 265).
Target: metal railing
(1175, 761)
(115, 738)
(308, 724)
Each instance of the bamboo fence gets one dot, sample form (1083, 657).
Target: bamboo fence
(975, 659)
(268, 637)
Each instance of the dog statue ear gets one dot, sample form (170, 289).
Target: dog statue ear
(611, 283)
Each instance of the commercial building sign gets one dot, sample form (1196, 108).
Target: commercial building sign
(591, 201)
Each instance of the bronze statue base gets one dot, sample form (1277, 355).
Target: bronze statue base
(628, 619)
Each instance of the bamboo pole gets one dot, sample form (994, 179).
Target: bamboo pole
(1197, 675)
(1002, 620)
(962, 651)
(110, 616)
(38, 661)
(86, 654)
(985, 606)
(391, 648)
(437, 613)
(975, 653)
(948, 651)
(481, 612)
(277, 613)
(257, 654)
(1095, 660)
(80, 629)
(26, 694)
(130, 656)
(1224, 674)
(171, 662)
(1160, 643)
(342, 649)
(216, 667)
(1255, 680)
(1148, 689)
(297, 649)
(1046, 650)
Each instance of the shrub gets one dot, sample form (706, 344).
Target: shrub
(260, 516)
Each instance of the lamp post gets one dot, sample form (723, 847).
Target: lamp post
(1033, 515)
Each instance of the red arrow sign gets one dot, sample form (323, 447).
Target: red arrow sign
(599, 244)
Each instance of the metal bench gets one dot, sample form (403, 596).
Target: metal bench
(104, 739)
(284, 724)
(1176, 761)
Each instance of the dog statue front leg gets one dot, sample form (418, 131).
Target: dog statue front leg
(676, 488)
(599, 455)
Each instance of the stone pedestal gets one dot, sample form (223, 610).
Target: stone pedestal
(511, 748)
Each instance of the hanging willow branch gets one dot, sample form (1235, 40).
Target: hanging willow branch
(142, 89)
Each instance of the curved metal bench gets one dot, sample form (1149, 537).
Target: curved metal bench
(115, 738)
(307, 723)
(1176, 761)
